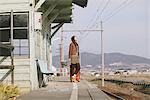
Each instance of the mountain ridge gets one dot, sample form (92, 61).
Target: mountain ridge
(95, 59)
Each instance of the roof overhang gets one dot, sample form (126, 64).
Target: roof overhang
(81, 3)
(57, 11)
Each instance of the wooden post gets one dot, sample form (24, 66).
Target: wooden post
(11, 42)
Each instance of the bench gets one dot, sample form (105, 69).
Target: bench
(42, 69)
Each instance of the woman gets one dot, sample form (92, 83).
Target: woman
(74, 58)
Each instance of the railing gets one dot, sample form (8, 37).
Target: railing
(7, 46)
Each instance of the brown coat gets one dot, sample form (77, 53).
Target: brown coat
(73, 50)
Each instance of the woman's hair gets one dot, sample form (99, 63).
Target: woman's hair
(72, 38)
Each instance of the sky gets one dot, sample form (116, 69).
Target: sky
(127, 31)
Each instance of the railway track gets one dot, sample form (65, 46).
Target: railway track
(113, 96)
(109, 94)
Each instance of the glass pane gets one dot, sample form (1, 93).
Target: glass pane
(4, 52)
(16, 42)
(24, 50)
(4, 35)
(20, 20)
(24, 42)
(20, 34)
(16, 50)
(4, 21)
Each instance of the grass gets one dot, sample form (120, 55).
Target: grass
(125, 90)
(8, 92)
(143, 90)
(128, 90)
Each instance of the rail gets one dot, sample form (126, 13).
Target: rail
(113, 95)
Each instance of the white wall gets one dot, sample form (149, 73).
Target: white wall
(24, 5)
(21, 72)
(32, 35)
(7, 5)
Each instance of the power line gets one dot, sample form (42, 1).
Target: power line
(98, 16)
(98, 9)
(114, 12)
(118, 9)
(79, 30)
(104, 9)
(92, 20)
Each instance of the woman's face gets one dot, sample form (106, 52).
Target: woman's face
(75, 38)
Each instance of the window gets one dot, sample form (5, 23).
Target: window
(21, 47)
(20, 20)
(4, 35)
(20, 32)
(4, 52)
(4, 27)
(4, 21)
(4, 32)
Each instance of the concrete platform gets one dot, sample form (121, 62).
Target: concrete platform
(62, 89)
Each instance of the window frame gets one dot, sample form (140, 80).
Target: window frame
(19, 28)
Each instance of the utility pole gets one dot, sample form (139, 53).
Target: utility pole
(60, 59)
(61, 52)
(62, 42)
(102, 54)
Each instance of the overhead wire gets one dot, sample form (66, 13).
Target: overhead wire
(104, 8)
(114, 12)
(99, 15)
(97, 11)
(92, 20)
(118, 9)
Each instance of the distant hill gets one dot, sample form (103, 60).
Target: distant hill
(95, 59)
